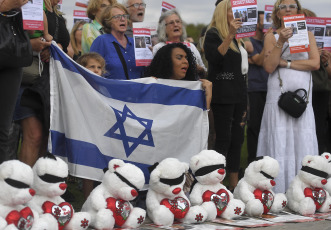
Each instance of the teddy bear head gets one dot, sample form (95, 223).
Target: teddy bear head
(50, 173)
(168, 177)
(314, 171)
(208, 167)
(15, 182)
(123, 180)
(262, 172)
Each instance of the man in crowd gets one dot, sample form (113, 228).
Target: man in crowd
(136, 9)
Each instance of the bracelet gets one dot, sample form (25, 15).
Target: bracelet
(288, 64)
(277, 45)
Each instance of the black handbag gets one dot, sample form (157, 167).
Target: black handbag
(292, 103)
(15, 47)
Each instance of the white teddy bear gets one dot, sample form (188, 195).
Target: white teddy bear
(166, 199)
(255, 188)
(209, 169)
(327, 186)
(50, 173)
(306, 194)
(15, 182)
(109, 203)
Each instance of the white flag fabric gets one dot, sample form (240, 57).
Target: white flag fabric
(143, 121)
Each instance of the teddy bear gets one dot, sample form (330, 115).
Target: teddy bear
(327, 186)
(50, 173)
(15, 183)
(255, 188)
(109, 204)
(208, 168)
(166, 200)
(306, 194)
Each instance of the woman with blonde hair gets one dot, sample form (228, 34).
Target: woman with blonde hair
(283, 137)
(75, 46)
(92, 30)
(228, 67)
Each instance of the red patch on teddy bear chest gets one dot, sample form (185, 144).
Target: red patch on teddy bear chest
(317, 194)
(121, 210)
(62, 212)
(220, 198)
(178, 206)
(266, 198)
(23, 220)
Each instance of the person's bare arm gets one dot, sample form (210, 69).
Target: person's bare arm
(234, 25)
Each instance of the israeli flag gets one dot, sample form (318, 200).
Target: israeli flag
(143, 121)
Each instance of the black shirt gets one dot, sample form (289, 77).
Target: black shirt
(229, 84)
(62, 37)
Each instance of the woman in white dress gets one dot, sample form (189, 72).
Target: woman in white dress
(283, 137)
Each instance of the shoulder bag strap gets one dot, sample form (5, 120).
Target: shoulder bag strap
(118, 50)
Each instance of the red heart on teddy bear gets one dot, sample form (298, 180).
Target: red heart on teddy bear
(266, 198)
(220, 198)
(23, 219)
(178, 206)
(62, 212)
(317, 194)
(121, 210)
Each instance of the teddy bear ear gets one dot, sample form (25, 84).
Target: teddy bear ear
(258, 164)
(194, 162)
(307, 159)
(5, 170)
(114, 164)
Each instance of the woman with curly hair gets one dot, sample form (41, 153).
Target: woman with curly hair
(176, 61)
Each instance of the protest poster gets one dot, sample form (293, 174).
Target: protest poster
(327, 38)
(317, 26)
(32, 14)
(267, 22)
(166, 7)
(80, 15)
(152, 26)
(299, 42)
(286, 217)
(59, 5)
(81, 3)
(246, 10)
(142, 46)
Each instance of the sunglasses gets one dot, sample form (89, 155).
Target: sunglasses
(290, 6)
(137, 5)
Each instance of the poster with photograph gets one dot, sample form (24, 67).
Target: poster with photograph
(80, 15)
(152, 26)
(246, 10)
(317, 26)
(142, 46)
(81, 3)
(166, 7)
(59, 5)
(299, 42)
(245, 222)
(32, 14)
(286, 217)
(267, 22)
(327, 36)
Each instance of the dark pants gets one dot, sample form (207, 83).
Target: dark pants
(10, 81)
(229, 122)
(256, 102)
(320, 106)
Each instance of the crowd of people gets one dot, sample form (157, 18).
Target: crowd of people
(240, 78)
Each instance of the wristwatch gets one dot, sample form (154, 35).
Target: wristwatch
(288, 64)
(326, 64)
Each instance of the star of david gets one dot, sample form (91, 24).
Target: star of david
(131, 143)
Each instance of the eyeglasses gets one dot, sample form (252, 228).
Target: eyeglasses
(80, 29)
(120, 17)
(172, 23)
(103, 6)
(291, 6)
(137, 5)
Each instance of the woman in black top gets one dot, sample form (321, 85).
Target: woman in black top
(228, 65)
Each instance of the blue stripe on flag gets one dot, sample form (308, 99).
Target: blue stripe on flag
(139, 92)
(84, 153)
